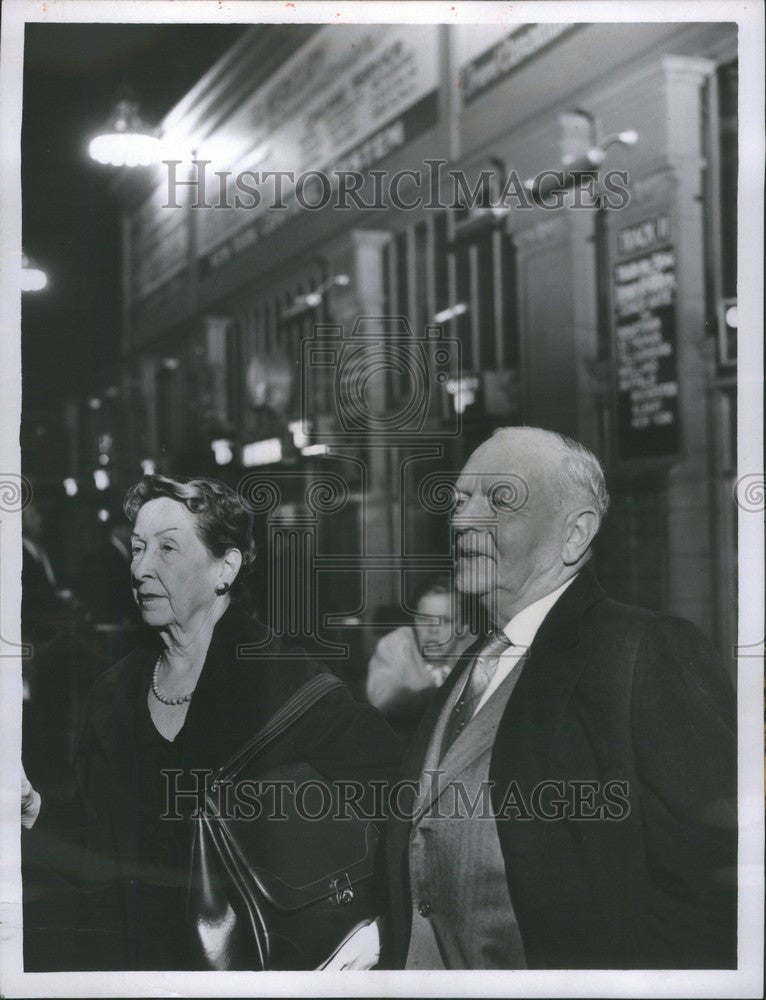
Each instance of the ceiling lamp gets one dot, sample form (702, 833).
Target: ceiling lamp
(33, 279)
(126, 141)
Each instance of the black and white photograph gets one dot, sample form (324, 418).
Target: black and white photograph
(382, 498)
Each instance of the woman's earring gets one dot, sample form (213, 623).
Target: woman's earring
(222, 588)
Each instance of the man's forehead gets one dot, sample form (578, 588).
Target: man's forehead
(512, 454)
(491, 461)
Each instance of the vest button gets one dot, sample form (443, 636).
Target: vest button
(424, 909)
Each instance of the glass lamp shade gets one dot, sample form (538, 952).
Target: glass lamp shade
(127, 141)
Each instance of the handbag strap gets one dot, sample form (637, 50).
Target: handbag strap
(295, 706)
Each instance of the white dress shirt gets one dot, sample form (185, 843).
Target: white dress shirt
(521, 630)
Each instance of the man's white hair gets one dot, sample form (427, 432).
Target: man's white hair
(581, 475)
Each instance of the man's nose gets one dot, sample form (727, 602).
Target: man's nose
(472, 511)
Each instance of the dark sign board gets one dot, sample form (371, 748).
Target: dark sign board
(645, 345)
(509, 55)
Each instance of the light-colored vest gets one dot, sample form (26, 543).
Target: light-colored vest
(462, 916)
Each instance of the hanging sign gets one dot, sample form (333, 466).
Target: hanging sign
(646, 366)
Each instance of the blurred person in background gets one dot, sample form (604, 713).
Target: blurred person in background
(40, 592)
(61, 642)
(411, 662)
(49, 623)
(103, 580)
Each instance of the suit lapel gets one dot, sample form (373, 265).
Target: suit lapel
(415, 758)
(463, 751)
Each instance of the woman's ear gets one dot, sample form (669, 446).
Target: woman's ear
(232, 563)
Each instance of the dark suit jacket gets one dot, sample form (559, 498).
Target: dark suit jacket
(235, 696)
(609, 693)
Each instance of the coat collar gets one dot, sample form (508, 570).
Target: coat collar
(561, 627)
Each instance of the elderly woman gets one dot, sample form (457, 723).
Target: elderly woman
(187, 701)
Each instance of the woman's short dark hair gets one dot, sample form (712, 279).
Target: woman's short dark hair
(223, 521)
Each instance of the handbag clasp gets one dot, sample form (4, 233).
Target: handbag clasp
(343, 891)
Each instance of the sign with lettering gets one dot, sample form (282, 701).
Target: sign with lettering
(645, 236)
(258, 225)
(507, 56)
(347, 98)
(645, 344)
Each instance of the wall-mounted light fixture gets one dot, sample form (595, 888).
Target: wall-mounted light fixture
(125, 140)
(310, 300)
(590, 160)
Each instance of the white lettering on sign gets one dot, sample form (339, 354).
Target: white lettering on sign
(645, 236)
(508, 55)
(645, 358)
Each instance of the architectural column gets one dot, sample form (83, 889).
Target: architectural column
(688, 491)
(360, 255)
(556, 268)
(660, 352)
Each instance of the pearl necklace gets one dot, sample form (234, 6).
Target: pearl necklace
(167, 701)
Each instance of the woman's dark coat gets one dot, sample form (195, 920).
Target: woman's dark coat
(237, 692)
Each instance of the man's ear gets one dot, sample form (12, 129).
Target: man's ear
(580, 530)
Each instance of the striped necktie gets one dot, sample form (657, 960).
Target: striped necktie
(482, 671)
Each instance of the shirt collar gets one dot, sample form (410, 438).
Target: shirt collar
(522, 628)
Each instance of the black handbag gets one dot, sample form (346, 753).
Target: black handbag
(286, 892)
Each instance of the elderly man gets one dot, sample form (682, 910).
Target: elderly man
(572, 785)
